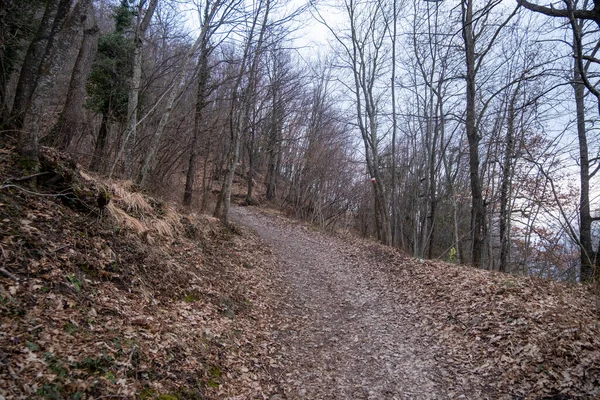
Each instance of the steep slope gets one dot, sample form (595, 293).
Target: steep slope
(107, 293)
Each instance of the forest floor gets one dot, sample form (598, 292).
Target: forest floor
(137, 300)
(357, 320)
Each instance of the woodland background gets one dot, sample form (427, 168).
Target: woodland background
(461, 130)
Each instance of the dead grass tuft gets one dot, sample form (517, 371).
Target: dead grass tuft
(132, 201)
(173, 218)
(163, 228)
(126, 220)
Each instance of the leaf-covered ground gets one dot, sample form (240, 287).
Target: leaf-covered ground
(358, 320)
(131, 301)
(134, 300)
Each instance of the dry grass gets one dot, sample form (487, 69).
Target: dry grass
(173, 218)
(126, 220)
(132, 211)
(131, 201)
(163, 228)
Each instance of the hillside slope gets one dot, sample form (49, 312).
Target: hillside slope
(108, 293)
(125, 300)
(359, 320)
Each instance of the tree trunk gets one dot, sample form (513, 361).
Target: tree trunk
(199, 123)
(273, 140)
(477, 204)
(394, 197)
(585, 219)
(223, 204)
(52, 66)
(69, 122)
(54, 15)
(38, 52)
(506, 186)
(205, 183)
(190, 175)
(134, 87)
(97, 163)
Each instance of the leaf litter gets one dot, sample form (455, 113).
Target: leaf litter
(135, 300)
(361, 320)
(126, 300)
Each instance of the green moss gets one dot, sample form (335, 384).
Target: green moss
(27, 164)
(146, 393)
(190, 298)
(167, 397)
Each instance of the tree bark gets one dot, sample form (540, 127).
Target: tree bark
(173, 95)
(39, 49)
(251, 167)
(587, 254)
(477, 204)
(273, 144)
(237, 123)
(69, 122)
(97, 163)
(134, 86)
(37, 54)
(506, 186)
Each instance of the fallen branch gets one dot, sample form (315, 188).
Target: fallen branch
(9, 275)
(28, 177)
(6, 186)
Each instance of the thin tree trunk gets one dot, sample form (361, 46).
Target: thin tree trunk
(52, 65)
(273, 141)
(37, 54)
(205, 186)
(251, 167)
(201, 102)
(97, 163)
(134, 87)
(506, 187)
(585, 218)
(477, 204)
(224, 202)
(394, 227)
(164, 120)
(54, 15)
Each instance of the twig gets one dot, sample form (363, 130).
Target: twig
(29, 191)
(28, 177)
(9, 275)
(35, 328)
(63, 193)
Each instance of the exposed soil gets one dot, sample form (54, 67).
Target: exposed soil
(356, 320)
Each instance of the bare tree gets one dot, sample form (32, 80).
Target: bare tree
(141, 26)
(239, 111)
(578, 15)
(38, 53)
(364, 52)
(214, 14)
(474, 57)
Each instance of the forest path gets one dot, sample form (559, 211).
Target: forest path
(343, 334)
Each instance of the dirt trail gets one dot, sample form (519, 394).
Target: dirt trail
(342, 335)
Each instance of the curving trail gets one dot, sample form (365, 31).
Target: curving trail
(343, 333)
